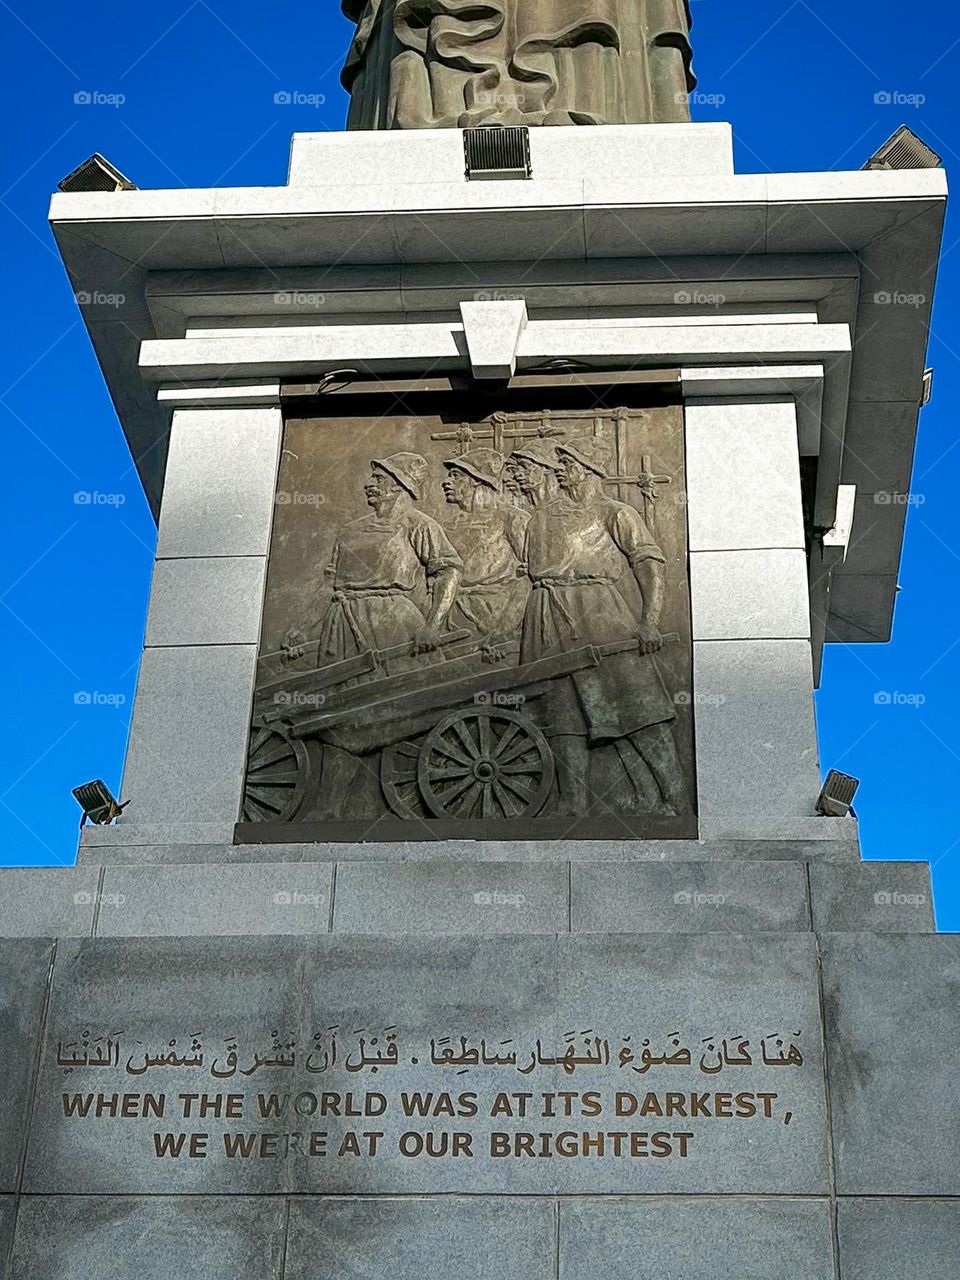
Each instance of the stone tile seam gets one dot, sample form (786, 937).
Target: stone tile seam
(333, 893)
(203, 644)
(95, 920)
(557, 1246)
(828, 1105)
(285, 1240)
(217, 555)
(730, 551)
(215, 224)
(752, 640)
(35, 1075)
(788, 637)
(596, 1197)
(926, 203)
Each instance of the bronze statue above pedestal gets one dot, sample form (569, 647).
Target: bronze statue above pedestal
(427, 64)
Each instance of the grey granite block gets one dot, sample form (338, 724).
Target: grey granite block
(756, 736)
(429, 993)
(406, 156)
(255, 898)
(863, 465)
(219, 486)
(771, 825)
(861, 608)
(876, 536)
(470, 851)
(153, 1238)
(8, 1218)
(889, 1239)
(688, 897)
(47, 901)
(168, 830)
(696, 1239)
(879, 897)
(743, 476)
(892, 1008)
(480, 1238)
(213, 600)
(24, 972)
(174, 854)
(188, 738)
(213, 1005)
(389, 1065)
(750, 595)
(437, 897)
(695, 994)
(619, 232)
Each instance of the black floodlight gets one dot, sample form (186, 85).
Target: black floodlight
(97, 803)
(836, 798)
(96, 174)
(905, 151)
(497, 151)
(926, 394)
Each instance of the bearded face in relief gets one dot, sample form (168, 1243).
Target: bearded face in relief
(461, 63)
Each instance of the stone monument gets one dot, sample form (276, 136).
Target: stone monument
(471, 908)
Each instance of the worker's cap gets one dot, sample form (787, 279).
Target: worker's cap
(542, 452)
(485, 465)
(408, 469)
(590, 451)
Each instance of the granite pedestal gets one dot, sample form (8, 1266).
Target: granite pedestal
(310, 1057)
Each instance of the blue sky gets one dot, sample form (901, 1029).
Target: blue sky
(184, 94)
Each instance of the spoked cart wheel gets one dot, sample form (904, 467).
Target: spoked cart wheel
(485, 762)
(278, 775)
(398, 778)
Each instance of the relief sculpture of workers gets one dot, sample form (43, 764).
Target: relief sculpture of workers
(578, 549)
(380, 562)
(421, 64)
(533, 472)
(488, 534)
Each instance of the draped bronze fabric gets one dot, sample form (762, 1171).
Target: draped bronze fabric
(422, 64)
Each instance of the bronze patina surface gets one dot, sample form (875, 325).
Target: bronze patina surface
(477, 622)
(427, 64)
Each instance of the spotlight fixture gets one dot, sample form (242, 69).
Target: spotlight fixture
(97, 803)
(926, 394)
(905, 151)
(836, 798)
(96, 174)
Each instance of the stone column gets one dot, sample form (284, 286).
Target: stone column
(185, 759)
(753, 674)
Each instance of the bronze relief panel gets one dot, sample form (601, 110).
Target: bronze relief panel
(476, 623)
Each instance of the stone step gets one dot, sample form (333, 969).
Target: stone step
(469, 897)
(735, 838)
(155, 1237)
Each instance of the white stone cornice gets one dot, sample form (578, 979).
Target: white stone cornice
(373, 231)
(382, 349)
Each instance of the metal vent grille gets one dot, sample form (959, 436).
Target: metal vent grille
(497, 151)
(905, 151)
(96, 174)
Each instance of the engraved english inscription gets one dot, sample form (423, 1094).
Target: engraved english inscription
(481, 625)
